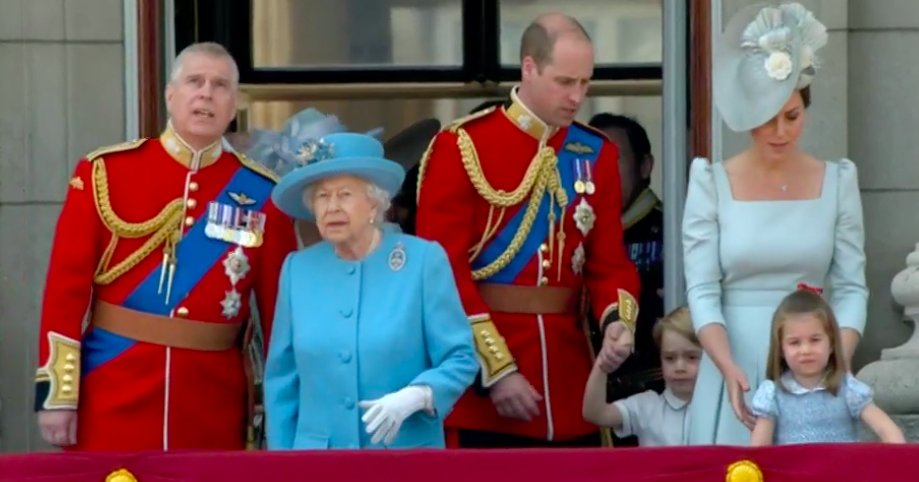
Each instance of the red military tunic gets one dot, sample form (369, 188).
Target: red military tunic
(136, 395)
(462, 177)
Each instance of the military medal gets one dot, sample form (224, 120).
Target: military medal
(236, 265)
(231, 304)
(397, 257)
(235, 225)
(590, 187)
(212, 230)
(584, 216)
(579, 186)
(255, 228)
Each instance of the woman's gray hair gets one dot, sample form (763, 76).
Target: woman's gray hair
(380, 197)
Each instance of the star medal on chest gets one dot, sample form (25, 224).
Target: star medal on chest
(235, 224)
(231, 304)
(236, 265)
(397, 257)
(584, 217)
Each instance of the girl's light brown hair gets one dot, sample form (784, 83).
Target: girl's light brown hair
(800, 302)
(678, 321)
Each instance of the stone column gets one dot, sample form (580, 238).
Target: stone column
(895, 377)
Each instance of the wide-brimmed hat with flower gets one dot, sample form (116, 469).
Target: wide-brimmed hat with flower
(345, 153)
(765, 53)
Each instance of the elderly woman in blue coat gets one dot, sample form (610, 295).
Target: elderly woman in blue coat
(370, 346)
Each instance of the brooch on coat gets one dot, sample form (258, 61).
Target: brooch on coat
(397, 257)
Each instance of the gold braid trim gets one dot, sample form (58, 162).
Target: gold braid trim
(497, 197)
(160, 227)
(423, 165)
(540, 179)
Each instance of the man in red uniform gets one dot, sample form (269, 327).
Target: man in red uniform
(163, 242)
(526, 203)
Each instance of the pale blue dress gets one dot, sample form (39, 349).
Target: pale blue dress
(812, 415)
(742, 257)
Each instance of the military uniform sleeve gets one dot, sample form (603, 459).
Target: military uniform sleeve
(75, 254)
(446, 200)
(280, 240)
(611, 278)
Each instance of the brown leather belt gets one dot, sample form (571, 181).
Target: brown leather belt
(163, 330)
(537, 300)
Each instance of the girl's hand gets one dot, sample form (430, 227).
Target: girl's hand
(736, 382)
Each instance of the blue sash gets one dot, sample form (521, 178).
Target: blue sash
(197, 255)
(579, 144)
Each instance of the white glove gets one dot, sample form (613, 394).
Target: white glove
(385, 415)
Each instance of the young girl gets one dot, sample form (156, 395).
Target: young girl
(808, 396)
(656, 419)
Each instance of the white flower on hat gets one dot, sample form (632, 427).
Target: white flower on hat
(778, 65)
(772, 33)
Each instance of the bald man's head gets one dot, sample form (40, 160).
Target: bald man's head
(540, 36)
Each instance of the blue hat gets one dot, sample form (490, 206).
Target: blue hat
(338, 154)
(764, 54)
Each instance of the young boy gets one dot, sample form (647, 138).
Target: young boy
(656, 419)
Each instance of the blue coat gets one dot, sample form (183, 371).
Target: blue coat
(346, 331)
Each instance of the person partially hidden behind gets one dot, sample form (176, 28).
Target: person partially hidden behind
(643, 235)
(655, 419)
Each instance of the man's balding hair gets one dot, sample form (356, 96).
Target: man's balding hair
(540, 36)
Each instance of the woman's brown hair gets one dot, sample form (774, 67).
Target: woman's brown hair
(806, 301)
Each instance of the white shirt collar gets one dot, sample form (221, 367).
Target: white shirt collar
(795, 388)
(676, 403)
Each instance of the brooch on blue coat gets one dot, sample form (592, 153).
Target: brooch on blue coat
(397, 257)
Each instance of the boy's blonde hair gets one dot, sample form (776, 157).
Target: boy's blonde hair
(678, 321)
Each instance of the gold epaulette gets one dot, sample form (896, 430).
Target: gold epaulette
(257, 168)
(463, 120)
(124, 146)
(451, 127)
